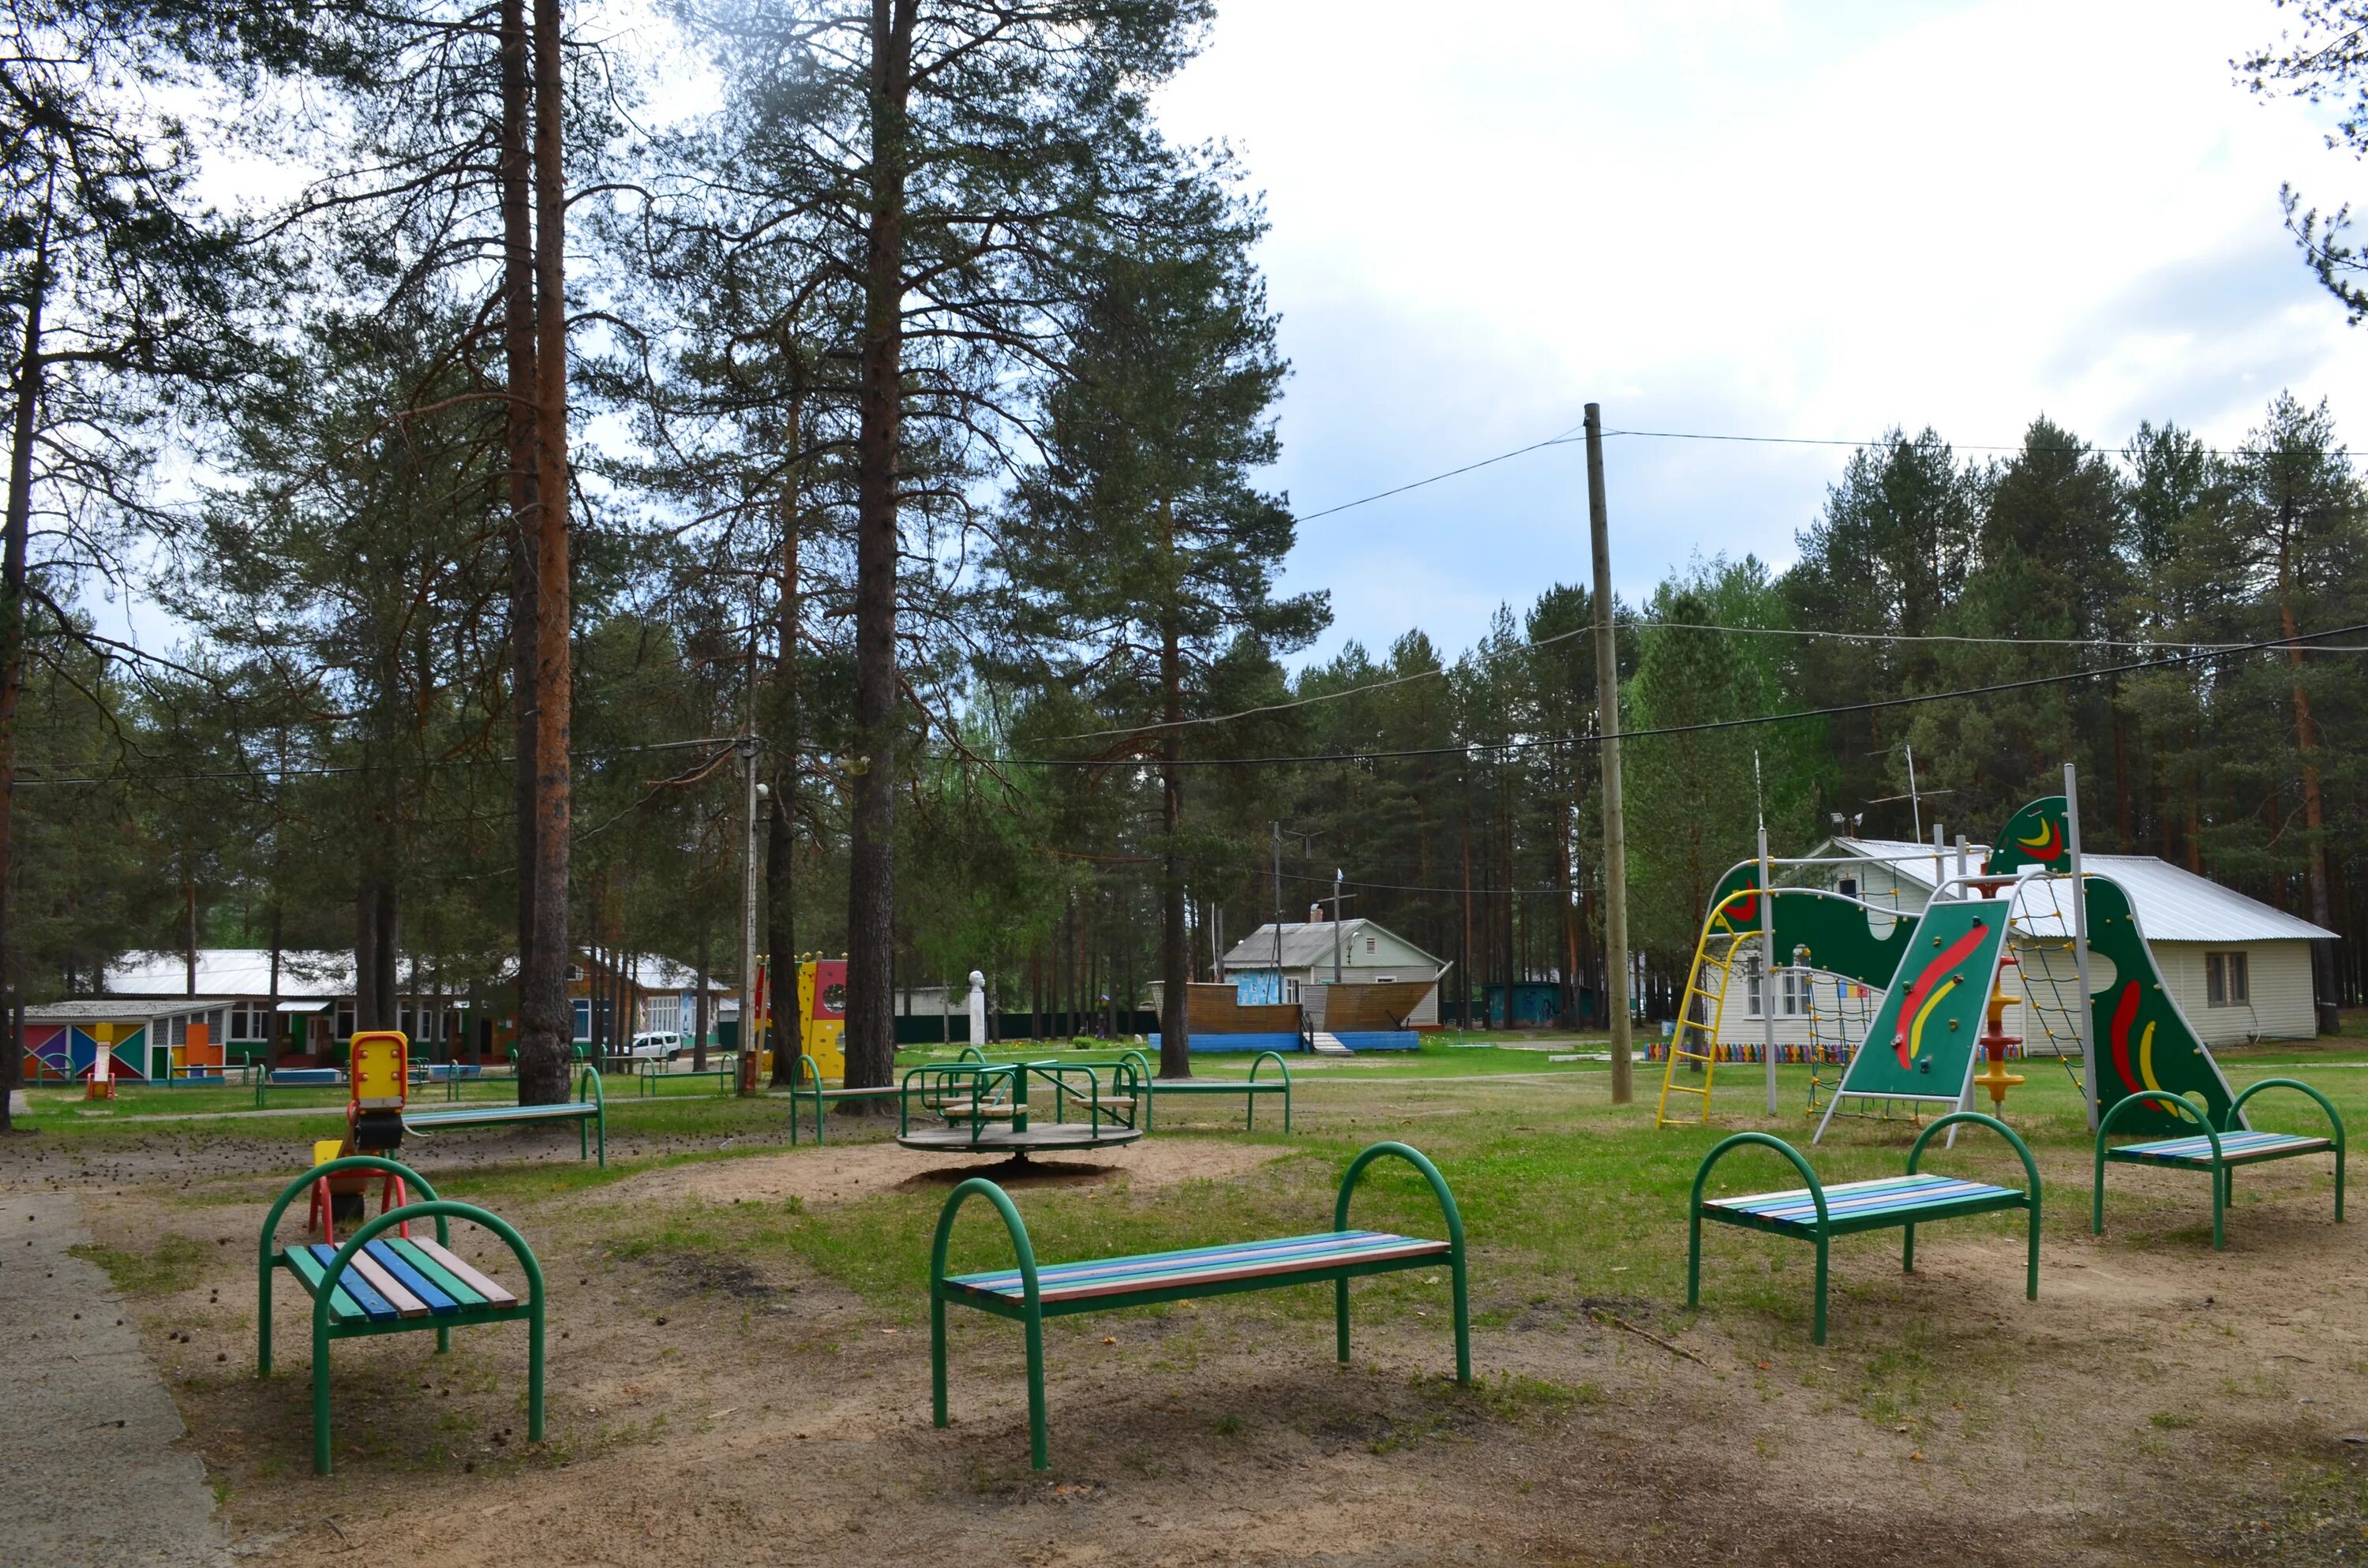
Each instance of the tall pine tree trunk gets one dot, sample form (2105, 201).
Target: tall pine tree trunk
(781, 846)
(516, 181)
(871, 855)
(1175, 962)
(544, 1014)
(24, 420)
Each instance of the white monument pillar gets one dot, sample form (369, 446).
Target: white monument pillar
(978, 1009)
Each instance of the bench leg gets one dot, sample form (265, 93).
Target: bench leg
(600, 1123)
(1340, 1320)
(2339, 1184)
(937, 1359)
(320, 1404)
(2220, 1186)
(1819, 1334)
(1039, 1450)
(1908, 1248)
(1693, 1260)
(534, 1338)
(1463, 1322)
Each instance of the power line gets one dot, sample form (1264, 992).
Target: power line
(1633, 624)
(1837, 709)
(340, 770)
(1563, 439)
(2082, 449)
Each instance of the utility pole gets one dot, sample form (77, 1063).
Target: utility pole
(2085, 1015)
(1607, 728)
(1276, 829)
(749, 1075)
(1337, 875)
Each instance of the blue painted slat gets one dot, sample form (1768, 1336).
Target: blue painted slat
(437, 1300)
(375, 1306)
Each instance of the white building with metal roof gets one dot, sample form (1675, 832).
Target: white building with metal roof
(2238, 969)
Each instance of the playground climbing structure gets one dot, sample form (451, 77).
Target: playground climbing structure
(1914, 1007)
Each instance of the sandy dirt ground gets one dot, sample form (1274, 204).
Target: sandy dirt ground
(2159, 1405)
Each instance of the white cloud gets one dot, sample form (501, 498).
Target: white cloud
(1811, 220)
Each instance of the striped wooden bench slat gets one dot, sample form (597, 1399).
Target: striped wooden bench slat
(364, 1301)
(2236, 1149)
(434, 1296)
(1888, 1198)
(451, 1285)
(343, 1308)
(1152, 1272)
(391, 1291)
(492, 1292)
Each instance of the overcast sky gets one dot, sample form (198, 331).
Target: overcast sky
(1813, 219)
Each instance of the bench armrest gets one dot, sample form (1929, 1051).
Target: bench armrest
(266, 1257)
(1765, 1139)
(2029, 1167)
(1448, 1211)
(2236, 1108)
(979, 1187)
(1276, 1057)
(2180, 1108)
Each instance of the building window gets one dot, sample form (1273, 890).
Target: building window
(1792, 994)
(344, 1030)
(1847, 887)
(2226, 981)
(1369, 943)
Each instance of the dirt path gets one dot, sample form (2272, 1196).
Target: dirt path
(97, 1473)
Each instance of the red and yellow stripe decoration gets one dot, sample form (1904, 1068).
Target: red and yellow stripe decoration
(2126, 1015)
(2047, 844)
(1926, 995)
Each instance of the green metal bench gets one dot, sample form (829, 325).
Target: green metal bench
(1030, 1293)
(1249, 1088)
(2214, 1152)
(807, 1086)
(1817, 1213)
(588, 1111)
(653, 1074)
(394, 1285)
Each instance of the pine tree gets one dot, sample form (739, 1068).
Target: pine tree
(1141, 550)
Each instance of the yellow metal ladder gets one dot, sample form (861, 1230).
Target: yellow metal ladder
(1691, 1040)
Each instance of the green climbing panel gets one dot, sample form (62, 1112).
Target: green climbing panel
(2035, 836)
(1843, 935)
(1921, 1041)
(2143, 1041)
